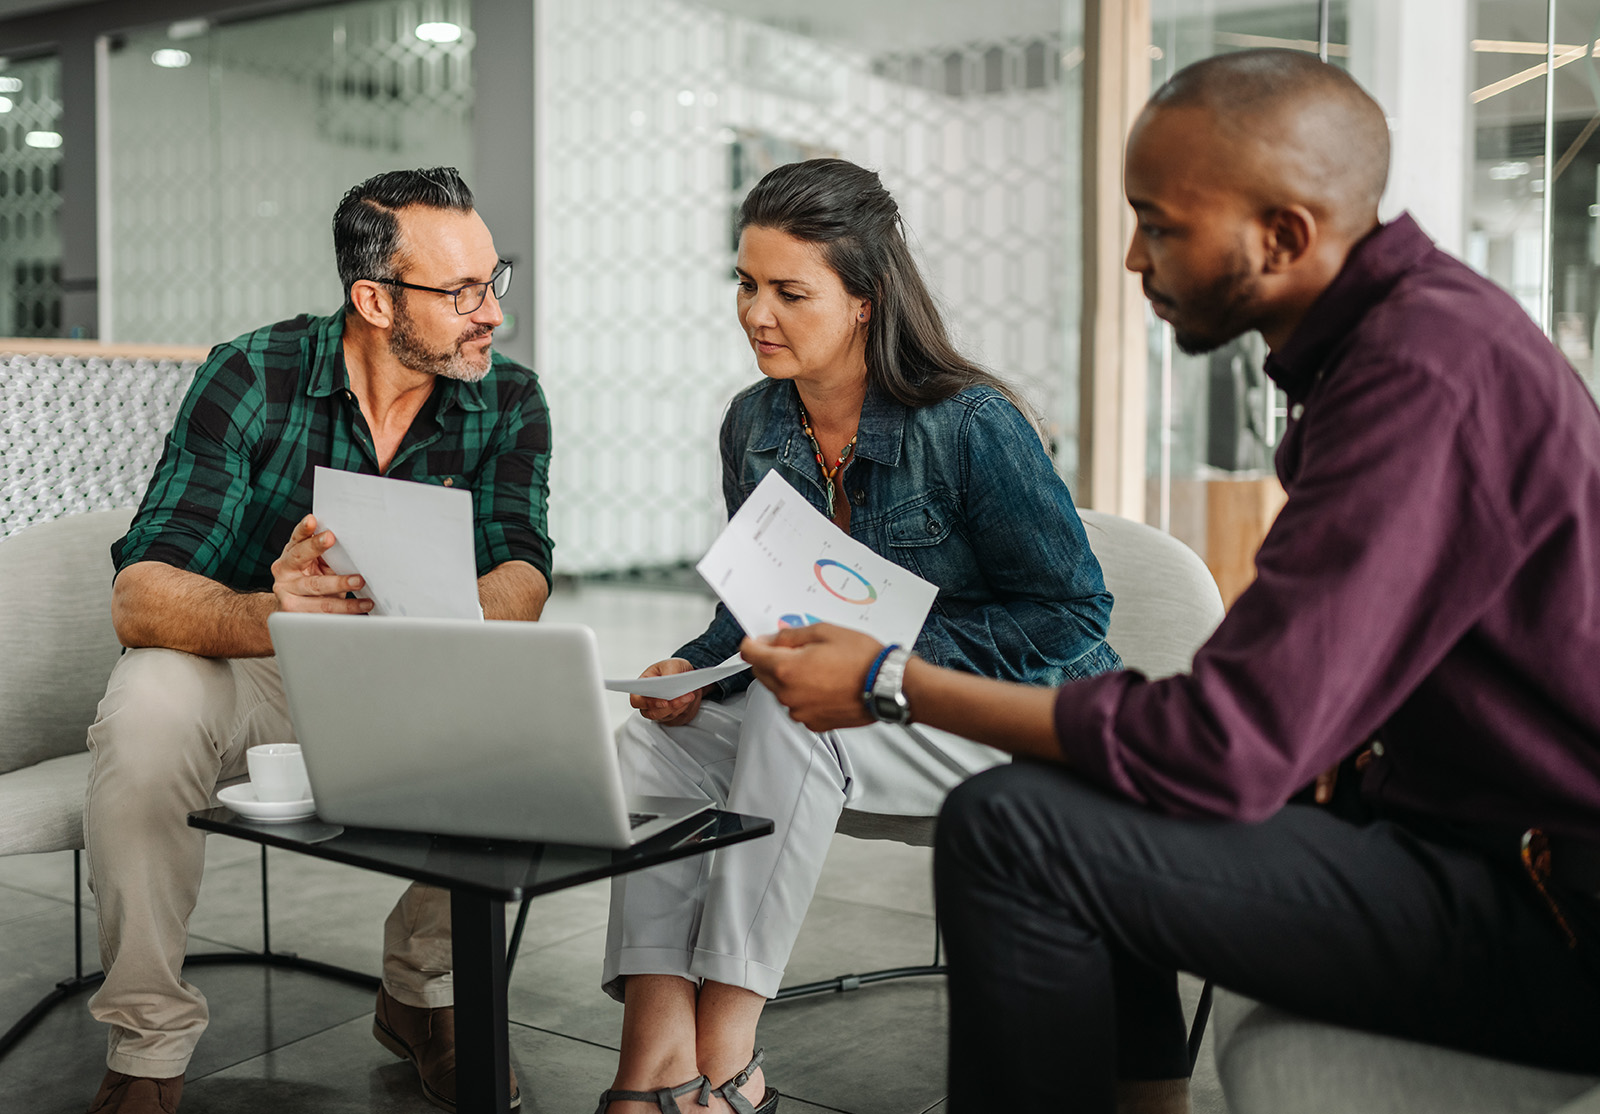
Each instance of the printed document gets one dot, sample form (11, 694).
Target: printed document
(780, 563)
(411, 542)
(674, 685)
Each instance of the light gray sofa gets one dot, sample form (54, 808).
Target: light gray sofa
(56, 651)
(79, 435)
(1271, 1062)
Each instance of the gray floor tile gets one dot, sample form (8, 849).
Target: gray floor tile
(879, 872)
(880, 1048)
(343, 1071)
(554, 918)
(58, 1065)
(320, 909)
(48, 875)
(895, 1032)
(37, 954)
(16, 905)
(340, 1069)
(557, 988)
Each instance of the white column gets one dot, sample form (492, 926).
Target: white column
(1414, 57)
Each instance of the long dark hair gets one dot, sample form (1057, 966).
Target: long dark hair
(844, 209)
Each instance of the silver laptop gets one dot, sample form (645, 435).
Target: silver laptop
(456, 727)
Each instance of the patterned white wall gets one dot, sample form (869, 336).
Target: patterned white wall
(225, 172)
(640, 107)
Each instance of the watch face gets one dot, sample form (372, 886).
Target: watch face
(891, 709)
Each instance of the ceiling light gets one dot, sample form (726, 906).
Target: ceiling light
(188, 29)
(439, 32)
(42, 139)
(10, 84)
(5, 104)
(686, 97)
(1506, 171)
(169, 59)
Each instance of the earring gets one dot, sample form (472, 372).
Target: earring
(862, 316)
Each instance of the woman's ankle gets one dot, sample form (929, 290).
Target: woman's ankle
(655, 1073)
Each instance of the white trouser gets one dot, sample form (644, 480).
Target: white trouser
(732, 916)
(170, 727)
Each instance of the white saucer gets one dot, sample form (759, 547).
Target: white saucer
(242, 799)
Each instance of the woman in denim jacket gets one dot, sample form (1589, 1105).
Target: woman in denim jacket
(869, 411)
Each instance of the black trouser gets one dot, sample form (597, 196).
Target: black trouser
(1068, 914)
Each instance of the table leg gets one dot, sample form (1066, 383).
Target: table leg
(483, 1057)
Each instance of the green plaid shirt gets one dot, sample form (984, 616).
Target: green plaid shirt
(264, 410)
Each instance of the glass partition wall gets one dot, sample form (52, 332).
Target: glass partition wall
(230, 146)
(1474, 124)
(226, 147)
(30, 198)
(657, 116)
(1535, 198)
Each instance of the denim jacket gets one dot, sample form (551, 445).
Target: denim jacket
(962, 494)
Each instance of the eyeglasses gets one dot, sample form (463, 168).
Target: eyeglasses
(467, 298)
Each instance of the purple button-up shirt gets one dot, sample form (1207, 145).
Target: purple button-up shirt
(1433, 581)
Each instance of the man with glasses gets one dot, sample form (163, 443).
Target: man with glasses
(402, 382)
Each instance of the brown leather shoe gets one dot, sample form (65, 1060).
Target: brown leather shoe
(428, 1039)
(136, 1094)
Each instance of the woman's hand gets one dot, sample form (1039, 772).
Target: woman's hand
(669, 713)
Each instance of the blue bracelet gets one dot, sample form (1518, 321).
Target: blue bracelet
(872, 674)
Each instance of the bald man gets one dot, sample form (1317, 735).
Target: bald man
(1428, 600)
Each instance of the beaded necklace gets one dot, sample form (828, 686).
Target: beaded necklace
(822, 462)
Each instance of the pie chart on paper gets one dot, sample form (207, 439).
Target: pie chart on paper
(844, 582)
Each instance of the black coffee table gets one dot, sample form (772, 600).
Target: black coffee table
(481, 877)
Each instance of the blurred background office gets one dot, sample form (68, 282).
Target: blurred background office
(167, 168)
(168, 171)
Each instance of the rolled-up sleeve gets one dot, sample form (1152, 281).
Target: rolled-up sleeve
(197, 495)
(512, 495)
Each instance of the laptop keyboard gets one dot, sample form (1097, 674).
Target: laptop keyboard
(637, 818)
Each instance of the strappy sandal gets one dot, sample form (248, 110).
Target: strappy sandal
(729, 1092)
(666, 1099)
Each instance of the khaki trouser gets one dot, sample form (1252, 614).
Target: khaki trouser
(170, 727)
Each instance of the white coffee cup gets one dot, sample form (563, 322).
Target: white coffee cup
(278, 772)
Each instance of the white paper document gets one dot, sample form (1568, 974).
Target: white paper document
(780, 564)
(675, 685)
(411, 542)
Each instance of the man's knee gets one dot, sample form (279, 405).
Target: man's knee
(1016, 821)
(154, 722)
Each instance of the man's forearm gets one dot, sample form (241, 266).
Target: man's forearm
(513, 590)
(153, 604)
(1018, 719)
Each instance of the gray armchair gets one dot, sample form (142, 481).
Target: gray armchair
(1166, 605)
(1272, 1062)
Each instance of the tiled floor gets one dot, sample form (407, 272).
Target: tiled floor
(290, 1042)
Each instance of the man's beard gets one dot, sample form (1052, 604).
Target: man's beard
(1225, 310)
(452, 363)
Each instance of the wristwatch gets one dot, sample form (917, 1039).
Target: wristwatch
(888, 703)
